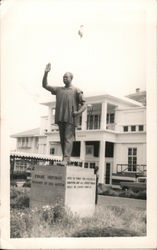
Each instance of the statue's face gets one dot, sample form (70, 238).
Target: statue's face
(67, 78)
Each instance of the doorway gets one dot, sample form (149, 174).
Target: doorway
(108, 173)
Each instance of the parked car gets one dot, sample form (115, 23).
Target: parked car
(13, 183)
(138, 185)
(27, 184)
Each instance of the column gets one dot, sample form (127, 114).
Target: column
(84, 120)
(114, 169)
(83, 152)
(102, 161)
(47, 145)
(103, 115)
(49, 118)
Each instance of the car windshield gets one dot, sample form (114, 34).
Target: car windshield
(143, 180)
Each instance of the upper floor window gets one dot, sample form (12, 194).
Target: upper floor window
(125, 128)
(133, 128)
(52, 151)
(140, 128)
(79, 122)
(93, 121)
(110, 117)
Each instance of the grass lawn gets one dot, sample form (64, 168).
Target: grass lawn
(106, 201)
(57, 221)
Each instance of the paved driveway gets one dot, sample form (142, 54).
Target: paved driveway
(119, 201)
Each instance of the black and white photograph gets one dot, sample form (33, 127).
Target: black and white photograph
(78, 124)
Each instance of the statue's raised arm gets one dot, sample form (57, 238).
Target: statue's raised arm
(44, 81)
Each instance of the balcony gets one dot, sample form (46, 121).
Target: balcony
(110, 126)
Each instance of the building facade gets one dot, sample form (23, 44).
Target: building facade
(111, 135)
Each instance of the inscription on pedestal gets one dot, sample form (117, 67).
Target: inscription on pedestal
(80, 182)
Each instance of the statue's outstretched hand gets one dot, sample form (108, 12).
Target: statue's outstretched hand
(48, 67)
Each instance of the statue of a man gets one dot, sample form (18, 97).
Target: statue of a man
(70, 103)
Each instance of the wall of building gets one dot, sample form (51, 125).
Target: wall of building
(121, 153)
(42, 145)
(28, 144)
(128, 117)
(44, 124)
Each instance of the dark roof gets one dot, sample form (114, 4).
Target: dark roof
(139, 96)
(29, 133)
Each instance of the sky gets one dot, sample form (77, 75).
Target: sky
(109, 58)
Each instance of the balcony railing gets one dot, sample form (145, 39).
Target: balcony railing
(135, 169)
(110, 126)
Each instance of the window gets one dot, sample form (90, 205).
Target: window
(133, 128)
(89, 149)
(93, 121)
(86, 165)
(36, 142)
(134, 151)
(132, 159)
(23, 142)
(140, 128)
(80, 120)
(90, 121)
(29, 142)
(96, 122)
(92, 165)
(125, 128)
(19, 142)
(109, 149)
(110, 117)
(52, 151)
(76, 149)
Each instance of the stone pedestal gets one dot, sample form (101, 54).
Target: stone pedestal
(74, 186)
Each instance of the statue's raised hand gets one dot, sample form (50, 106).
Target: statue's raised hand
(48, 67)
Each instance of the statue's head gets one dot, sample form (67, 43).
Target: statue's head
(67, 78)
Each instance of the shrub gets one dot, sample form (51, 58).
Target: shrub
(19, 198)
(14, 192)
(126, 194)
(108, 221)
(111, 192)
(58, 221)
(21, 223)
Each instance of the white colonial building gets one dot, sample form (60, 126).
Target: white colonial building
(111, 135)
